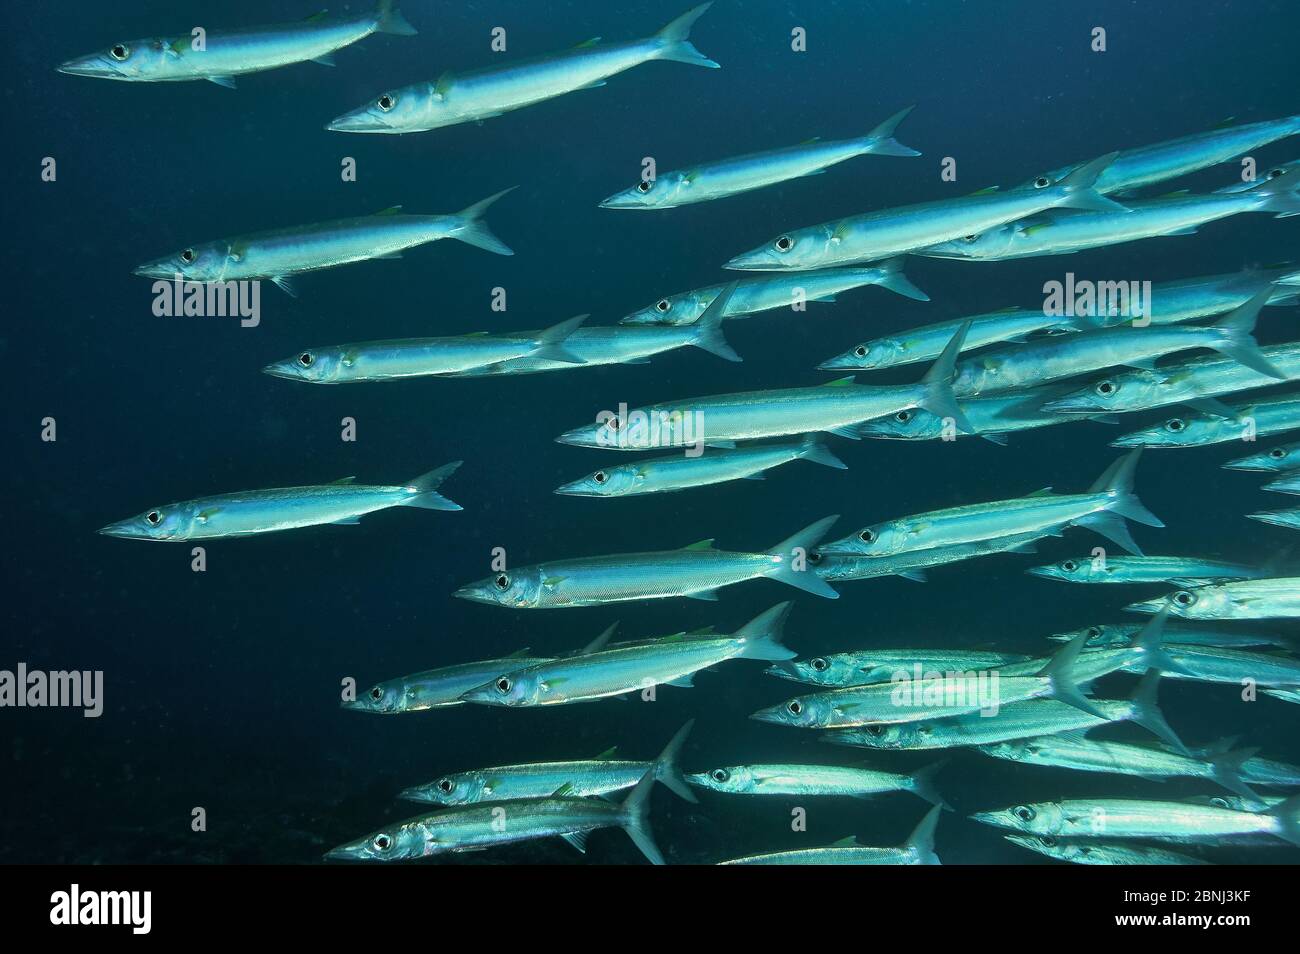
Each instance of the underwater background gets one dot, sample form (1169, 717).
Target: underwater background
(222, 688)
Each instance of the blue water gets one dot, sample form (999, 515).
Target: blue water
(222, 687)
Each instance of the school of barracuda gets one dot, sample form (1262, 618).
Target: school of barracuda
(989, 374)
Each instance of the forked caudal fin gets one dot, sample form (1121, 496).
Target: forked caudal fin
(796, 568)
(1064, 683)
(1288, 813)
(550, 343)
(474, 231)
(921, 841)
(1238, 329)
(425, 489)
(666, 769)
(636, 815)
(1117, 481)
(1078, 191)
(706, 331)
(938, 397)
(675, 39)
(881, 142)
(890, 275)
(1146, 712)
(389, 19)
(762, 635)
(923, 784)
(1281, 195)
(814, 450)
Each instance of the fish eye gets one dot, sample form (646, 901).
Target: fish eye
(1106, 387)
(662, 306)
(386, 102)
(377, 693)
(614, 424)
(382, 842)
(860, 351)
(504, 684)
(875, 730)
(1274, 173)
(1218, 801)
(187, 256)
(119, 51)
(1093, 632)
(1175, 424)
(154, 518)
(720, 775)
(1042, 182)
(502, 582)
(902, 417)
(815, 557)
(819, 664)
(1047, 841)
(784, 243)
(1277, 453)
(1069, 566)
(643, 186)
(970, 238)
(867, 536)
(305, 359)
(1184, 598)
(600, 476)
(794, 706)
(1024, 813)
(445, 786)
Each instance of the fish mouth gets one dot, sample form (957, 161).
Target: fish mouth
(358, 121)
(749, 262)
(842, 363)
(1024, 841)
(700, 778)
(413, 794)
(1131, 440)
(349, 852)
(1042, 572)
(989, 818)
(619, 201)
(1069, 405)
(474, 594)
(1245, 463)
(576, 488)
(123, 530)
(281, 369)
(784, 670)
(485, 694)
(155, 270)
(1265, 516)
(92, 65)
(577, 437)
(1146, 606)
(771, 714)
(838, 548)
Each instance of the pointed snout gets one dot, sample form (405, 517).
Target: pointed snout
(771, 714)
(783, 670)
(575, 488)
(92, 65)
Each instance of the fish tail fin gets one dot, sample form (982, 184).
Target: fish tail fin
(424, 489)
(474, 231)
(1288, 812)
(1280, 195)
(898, 283)
(939, 397)
(550, 343)
(666, 769)
(1064, 683)
(1226, 770)
(881, 142)
(1147, 643)
(1238, 328)
(675, 38)
(921, 840)
(636, 816)
(1147, 713)
(389, 19)
(708, 327)
(814, 450)
(1079, 189)
(795, 551)
(923, 784)
(1117, 480)
(762, 635)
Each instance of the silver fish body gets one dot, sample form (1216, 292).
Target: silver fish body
(1101, 851)
(814, 780)
(1145, 569)
(866, 666)
(918, 849)
(1247, 421)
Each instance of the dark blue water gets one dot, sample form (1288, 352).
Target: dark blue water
(222, 688)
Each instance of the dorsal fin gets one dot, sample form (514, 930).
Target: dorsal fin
(1226, 122)
(810, 140)
(443, 82)
(521, 651)
(987, 190)
(700, 545)
(609, 753)
(1175, 194)
(702, 631)
(1041, 492)
(562, 791)
(343, 480)
(391, 210)
(475, 334)
(587, 43)
(316, 17)
(851, 841)
(840, 382)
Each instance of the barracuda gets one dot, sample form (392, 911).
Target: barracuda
(727, 177)
(815, 780)
(895, 231)
(470, 827)
(1019, 720)
(1287, 484)
(1191, 571)
(1246, 599)
(443, 687)
(863, 667)
(1290, 518)
(585, 779)
(1147, 165)
(1102, 509)
(1135, 818)
(1231, 666)
(281, 508)
(1100, 851)
(697, 571)
(276, 255)
(922, 695)
(1169, 303)
(918, 849)
(489, 92)
(1276, 460)
(1245, 421)
(1108, 634)
(1064, 233)
(914, 564)
(769, 292)
(1074, 750)
(228, 53)
(422, 357)
(992, 418)
(751, 415)
(1284, 169)
(679, 472)
(673, 660)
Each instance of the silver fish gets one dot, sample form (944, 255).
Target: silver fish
(1110, 634)
(1101, 851)
(861, 667)
(1279, 459)
(1242, 599)
(918, 849)
(1192, 571)
(803, 780)
(1244, 421)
